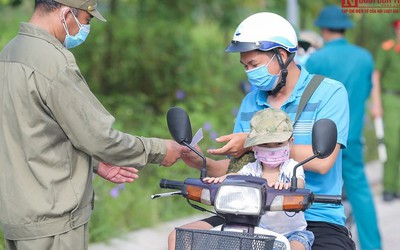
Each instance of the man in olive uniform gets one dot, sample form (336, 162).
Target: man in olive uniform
(353, 66)
(386, 104)
(53, 129)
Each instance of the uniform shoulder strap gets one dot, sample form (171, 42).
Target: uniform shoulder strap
(308, 92)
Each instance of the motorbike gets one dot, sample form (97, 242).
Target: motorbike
(242, 200)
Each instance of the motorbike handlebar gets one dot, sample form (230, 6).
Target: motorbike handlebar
(332, 199)
(178, 185)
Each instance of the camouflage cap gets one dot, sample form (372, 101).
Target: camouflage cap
(88, 5)
(268, 126)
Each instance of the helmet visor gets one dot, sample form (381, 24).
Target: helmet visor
(236, 46)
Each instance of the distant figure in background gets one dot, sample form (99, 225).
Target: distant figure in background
(353, 66)
(309, 42)
(386, 97)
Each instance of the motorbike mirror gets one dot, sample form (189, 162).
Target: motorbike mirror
(179, 125)
(324, 138)
(181, 130)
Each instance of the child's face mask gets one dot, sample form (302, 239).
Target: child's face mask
(272, 157)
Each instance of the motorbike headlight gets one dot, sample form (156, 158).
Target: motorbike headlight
(235, 199)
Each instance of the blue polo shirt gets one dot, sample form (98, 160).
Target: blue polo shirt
(340, 55)
(328, 101)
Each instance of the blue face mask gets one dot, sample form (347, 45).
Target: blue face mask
(261, 78)
(302, 60)
(73, 41)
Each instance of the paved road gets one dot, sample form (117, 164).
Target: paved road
(156, 238)
(388, 213)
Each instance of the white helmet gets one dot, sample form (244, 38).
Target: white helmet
(263, 31)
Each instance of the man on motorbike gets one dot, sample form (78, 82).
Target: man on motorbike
(271, 137)
(267, 44)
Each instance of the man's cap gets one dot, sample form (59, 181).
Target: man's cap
(310, 38)
(396, 23)
(333, 17)
(269, 126)
(88, 5)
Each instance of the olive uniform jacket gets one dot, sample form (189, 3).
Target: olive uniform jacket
(51, 129)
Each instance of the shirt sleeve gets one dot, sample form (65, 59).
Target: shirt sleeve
(288, 170)
(89, 126)
(300, 173)
(335, 107)
(250, 169)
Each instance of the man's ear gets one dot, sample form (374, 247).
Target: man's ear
(283, 54)
(63, 12)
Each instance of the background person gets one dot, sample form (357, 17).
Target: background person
(353, 66)
(53, 129)
(386, 103)
(309, 42)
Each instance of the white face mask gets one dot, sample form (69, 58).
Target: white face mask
(73, 41)
(272, 157)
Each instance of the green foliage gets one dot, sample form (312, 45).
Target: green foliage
(121, 208)
(2, 246)
(152, 55)
(12, 3)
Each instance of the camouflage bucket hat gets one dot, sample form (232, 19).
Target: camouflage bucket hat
(89, 5)
(269, 126)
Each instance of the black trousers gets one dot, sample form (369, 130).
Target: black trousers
(329, 236)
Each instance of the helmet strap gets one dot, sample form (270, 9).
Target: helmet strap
(284, 71)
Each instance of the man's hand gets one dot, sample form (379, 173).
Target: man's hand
(192, 159)
(174, 151)
(117, 174)
(233, 147)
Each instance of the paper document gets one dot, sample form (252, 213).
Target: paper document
(197, 137)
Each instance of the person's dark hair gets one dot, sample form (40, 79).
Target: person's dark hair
(51, 5)
(270, 53)
(48, 5)
(341, 31)
(305, 45)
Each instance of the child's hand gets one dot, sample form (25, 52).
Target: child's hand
(214, 179)
(279, 185)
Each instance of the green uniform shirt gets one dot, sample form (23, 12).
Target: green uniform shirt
(388, 63)
(51, 126)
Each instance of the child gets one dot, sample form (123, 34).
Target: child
(271, 138)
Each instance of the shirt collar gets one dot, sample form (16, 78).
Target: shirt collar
(29, 29)
(336, 41)
(302, 82)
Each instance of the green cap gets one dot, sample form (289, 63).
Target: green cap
(269, 126)
(88, 5)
